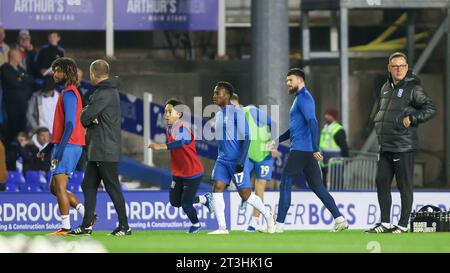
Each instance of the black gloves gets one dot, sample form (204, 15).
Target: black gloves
(239, 168)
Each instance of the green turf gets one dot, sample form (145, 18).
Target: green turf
(289, 241)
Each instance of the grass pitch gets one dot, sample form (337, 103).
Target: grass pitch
(350, 241)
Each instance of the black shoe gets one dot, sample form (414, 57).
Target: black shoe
(379, 228)
(121, 231)
(396, 230)
(93, 221)
(79, 231)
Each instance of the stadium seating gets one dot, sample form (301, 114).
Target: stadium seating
(77, 178)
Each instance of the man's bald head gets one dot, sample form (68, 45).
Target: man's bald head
(99, 71)
(100, 68)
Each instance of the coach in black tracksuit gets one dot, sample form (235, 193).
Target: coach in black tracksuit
(101, 117)
(403, 105)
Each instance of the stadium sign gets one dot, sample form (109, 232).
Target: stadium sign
(166, 15)
(151, 210)
(146, 210)
(361, 209)
(53, 14)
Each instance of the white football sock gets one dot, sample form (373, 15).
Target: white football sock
(65, 221)
(256, 202)
(254, 221)
(280, 226)
(196, 225)
(80, 209)
(202, 199)
(386, 225)
(219, 209)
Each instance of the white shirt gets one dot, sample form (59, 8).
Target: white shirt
(47, 111)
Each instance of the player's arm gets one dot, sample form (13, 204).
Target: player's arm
(98, 103)
(182, 138)
(285, 136)
(341, 140)
(308, 110)
(70, 104)
(244, 134)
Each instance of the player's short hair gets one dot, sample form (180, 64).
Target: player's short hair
(228, 87)
(42, 130)
(69, 67)
(297, 72)
(235, 96)
(174, 102)
(100, 68)
(51, 32)
(398, 55)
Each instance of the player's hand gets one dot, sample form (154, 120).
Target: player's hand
(318, 156)
(54, 163)
(407, 121)
(271, 145)
(275, 154)
(157, 147)
(40, 155)
(239, 168)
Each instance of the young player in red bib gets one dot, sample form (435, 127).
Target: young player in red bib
(187, 170)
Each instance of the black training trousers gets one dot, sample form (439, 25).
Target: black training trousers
(402, 166)
(97, 171)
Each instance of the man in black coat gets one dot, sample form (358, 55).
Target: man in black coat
(17, 89)
(102, 119)
(403, 106)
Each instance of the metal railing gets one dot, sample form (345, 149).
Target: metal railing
(357, 173)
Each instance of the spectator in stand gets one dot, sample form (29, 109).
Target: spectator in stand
(17, 88)
(86, 88)
(40, 139)
(27, 51)
(42, 105)
(25, 152)
(48, 53)
(4, 48)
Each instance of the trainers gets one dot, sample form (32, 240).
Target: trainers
(120, 231)
(80, 231)
(397, 229)
(209, 202)
(60, 232)
(379, 228)
(340, 224)
(278, 229)
(250, 229)
(271, 224)
(194, 229)
(220, 231)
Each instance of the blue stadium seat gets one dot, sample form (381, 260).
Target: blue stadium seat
(74, 187)
(32, 188)
(11, 188)
(15, 177)
(32, 177)
(77, 178)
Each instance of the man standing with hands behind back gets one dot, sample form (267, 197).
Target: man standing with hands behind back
(101, 117)
(402, 107)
